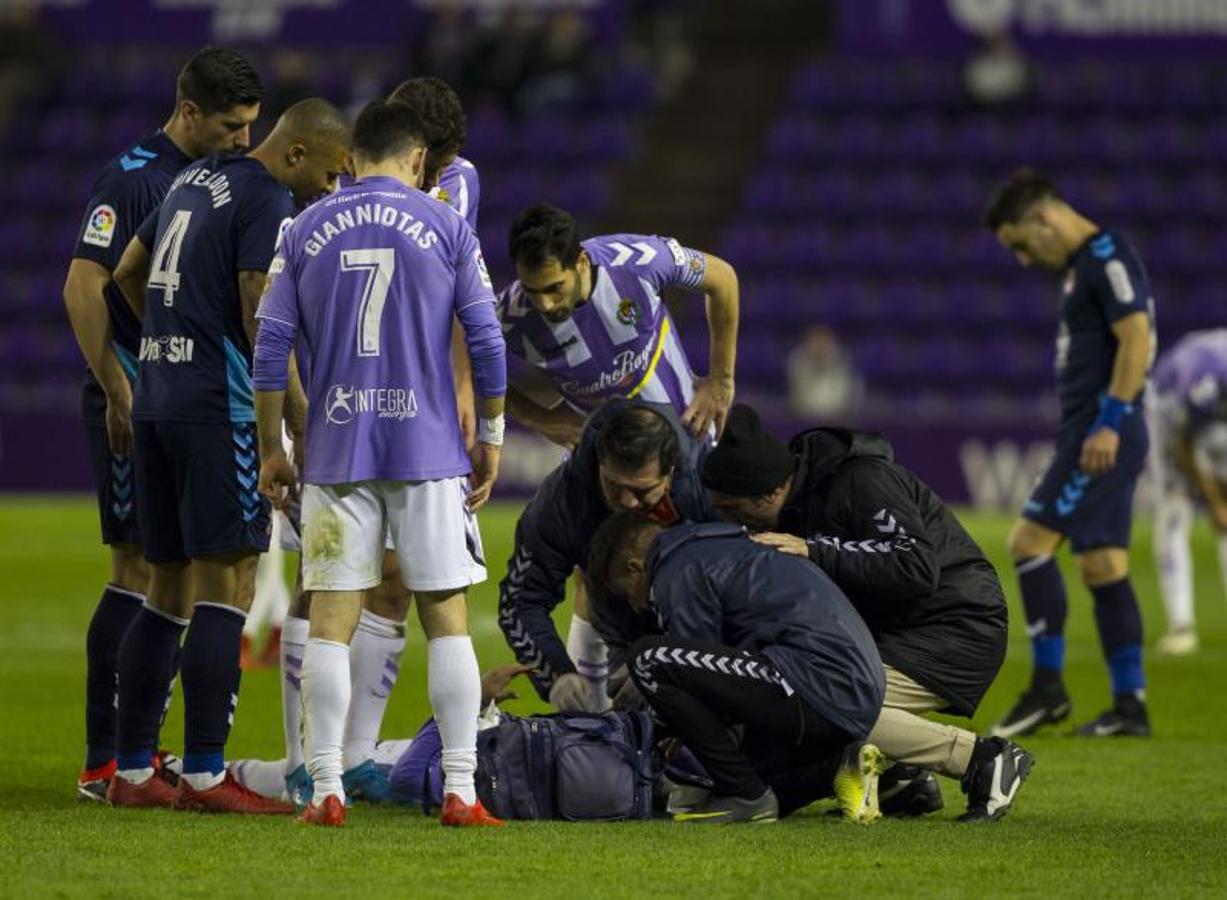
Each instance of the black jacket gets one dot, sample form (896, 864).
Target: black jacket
(711, 582)
(930, 597)
(553, 535)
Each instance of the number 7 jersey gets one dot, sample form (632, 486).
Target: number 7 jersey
(222, 216)
(371, 279)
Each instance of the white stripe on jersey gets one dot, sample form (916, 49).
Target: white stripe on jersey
(571, 339)
(675, 359)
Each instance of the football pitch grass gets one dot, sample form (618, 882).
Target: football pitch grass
(1121, 817)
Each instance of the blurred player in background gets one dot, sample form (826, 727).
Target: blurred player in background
(589, 317)
(375, 269)
(379, 640)
(1105, 346)
(195, 439)
(217, 97)
(1187, 413)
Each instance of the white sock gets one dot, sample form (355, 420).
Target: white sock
(388, 753)
(272, 596)
(454, 684)
(591, 657)
(325, 691)
(1174, 559)
(374, 664)
(265, 777)
(294, 633)
(136, 776)
(1222, 560)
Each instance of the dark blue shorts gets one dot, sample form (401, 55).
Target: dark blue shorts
(1090, 512)
(197, 489)
(115, 485)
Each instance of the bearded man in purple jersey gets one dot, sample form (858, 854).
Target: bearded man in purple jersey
(589, 317)
(366, 284)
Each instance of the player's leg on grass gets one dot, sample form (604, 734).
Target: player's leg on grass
(698, 689)
(1033, 548)
(1173, 524)
(225, 584)
(121, 600)
(1105, 572)
(295, 630)
(148, 657)
(453, 682)
(374, 664)
(587, 650)
(990, 770)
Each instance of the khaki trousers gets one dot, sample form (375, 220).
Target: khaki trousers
(907, 738)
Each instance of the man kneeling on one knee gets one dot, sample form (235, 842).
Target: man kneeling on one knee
(925, 589)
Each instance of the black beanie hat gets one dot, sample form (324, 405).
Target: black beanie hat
(747, 462)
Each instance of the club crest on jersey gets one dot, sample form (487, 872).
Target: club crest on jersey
(100, 229)
(628, 312)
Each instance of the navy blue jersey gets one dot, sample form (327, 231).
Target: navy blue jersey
(127, 190)
(1105, 282)
(222, 216)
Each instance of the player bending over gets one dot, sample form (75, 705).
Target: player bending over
(217, 96)
(1105, 345)
(932, 600)
(1187, 413)
(360, 277)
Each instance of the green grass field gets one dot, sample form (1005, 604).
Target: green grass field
(1120, 817)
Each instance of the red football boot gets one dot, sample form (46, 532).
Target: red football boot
(92, 784)
(229, 797)
(330, 812)
(458, 814)
(151, 792)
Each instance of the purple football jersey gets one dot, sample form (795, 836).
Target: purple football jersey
(620, 343)
(460, 188)
(371, 279)
(1194, 372)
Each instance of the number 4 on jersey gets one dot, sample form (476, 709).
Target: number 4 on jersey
(379, 264)
(164, 269)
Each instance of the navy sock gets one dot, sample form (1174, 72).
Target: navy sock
(146, 670)
(210, 672)
(1120, 635)
(114, 613)
(1043, 597)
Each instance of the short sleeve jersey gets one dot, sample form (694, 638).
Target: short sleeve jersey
(1105, 282)
(127, 190)
(222, 216)
(622, 341)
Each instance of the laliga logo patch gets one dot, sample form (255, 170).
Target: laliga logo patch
(339, 408)
(628, 312)
(100, 229)
(482, 272)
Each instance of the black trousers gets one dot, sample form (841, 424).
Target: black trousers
(701, 690)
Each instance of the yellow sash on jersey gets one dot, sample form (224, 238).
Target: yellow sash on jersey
(660, 345)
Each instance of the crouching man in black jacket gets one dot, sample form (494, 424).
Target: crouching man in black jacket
(754, 639)
(926, 591)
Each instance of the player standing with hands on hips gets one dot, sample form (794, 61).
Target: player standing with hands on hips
(366, 286)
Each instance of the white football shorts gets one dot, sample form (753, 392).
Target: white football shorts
(436, 538)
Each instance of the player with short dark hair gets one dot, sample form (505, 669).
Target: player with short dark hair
(588, 316)
(1105, 346)
(633, 456)
(217, 99)
(359, 278)
(202, 258)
